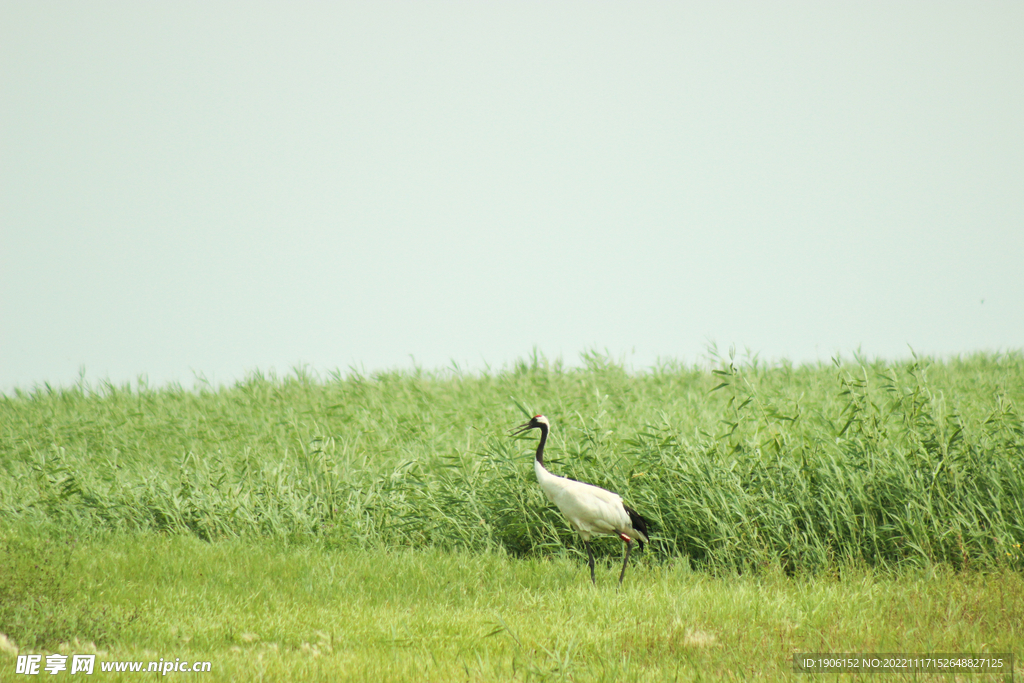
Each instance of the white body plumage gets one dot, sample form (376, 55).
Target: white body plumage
(590, 509)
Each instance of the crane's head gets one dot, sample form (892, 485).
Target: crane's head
(536, 422)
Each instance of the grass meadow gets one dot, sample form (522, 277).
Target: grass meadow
(386, 527)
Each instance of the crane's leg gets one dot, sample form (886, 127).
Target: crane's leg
(629, 544)
(590, 554)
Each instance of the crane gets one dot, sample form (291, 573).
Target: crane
(590, 509)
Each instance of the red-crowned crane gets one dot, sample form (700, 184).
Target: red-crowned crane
(591, 510)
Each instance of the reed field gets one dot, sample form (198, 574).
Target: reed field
(387, 527)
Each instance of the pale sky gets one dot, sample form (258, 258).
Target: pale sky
(211, 188)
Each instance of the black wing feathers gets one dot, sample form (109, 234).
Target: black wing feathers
(638, 522)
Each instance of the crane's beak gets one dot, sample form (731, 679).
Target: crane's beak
(526, 426)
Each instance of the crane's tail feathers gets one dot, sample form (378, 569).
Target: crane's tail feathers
(639, 525)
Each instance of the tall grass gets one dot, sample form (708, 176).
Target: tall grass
(738, 466)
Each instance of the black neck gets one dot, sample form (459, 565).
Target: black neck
(540, 446)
